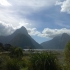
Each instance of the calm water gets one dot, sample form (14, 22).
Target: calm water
(57, 50)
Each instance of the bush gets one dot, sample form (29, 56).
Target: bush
(22, 64)
(67, 56)
(16, 53)
(43, 61)
(1, 62)
(8, 47)
(12, 64)
(1, 47)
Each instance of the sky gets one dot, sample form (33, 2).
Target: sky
(43, 19)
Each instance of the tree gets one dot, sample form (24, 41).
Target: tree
(43, 61)
(8, 47)
(67, 55)
(1, 47)
(1, 44)
(16, 52)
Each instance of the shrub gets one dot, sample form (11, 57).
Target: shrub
(67, 56)
(1, 62)
(43, 61)
(8, 47)
(12, 64)
(22, 64)
(16, 53)
(1, 47)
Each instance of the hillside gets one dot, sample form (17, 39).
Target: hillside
(58, 42)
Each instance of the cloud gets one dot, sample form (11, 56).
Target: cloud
(7, 16)
(65, 6)
(33, 4)
(6, 29)
(25, 24)
(47, 32)
(13, 11)
(58, 3)
(33, 31)
(5, 3)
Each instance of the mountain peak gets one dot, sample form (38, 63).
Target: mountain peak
(59, 42)
(21, 30)
(65, 35)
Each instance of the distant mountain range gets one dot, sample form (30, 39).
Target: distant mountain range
(20, 38)
(58, 42)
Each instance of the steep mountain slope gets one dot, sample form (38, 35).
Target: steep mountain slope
(7, 39)
(23, 41)
(20, 38)
(58, 42)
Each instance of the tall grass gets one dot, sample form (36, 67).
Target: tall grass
(43, 61)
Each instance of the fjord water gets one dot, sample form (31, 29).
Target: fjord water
(40, 50)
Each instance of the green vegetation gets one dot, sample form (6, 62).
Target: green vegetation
(43, 61)
(16, 53)
(14, 58)
(67, 56)
(11, 58)
(12, 64)
(1, 47)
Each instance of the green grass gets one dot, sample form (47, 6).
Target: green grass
(24, 69)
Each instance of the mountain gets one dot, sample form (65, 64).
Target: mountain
(20, 38)
(58, 42)
(23, 41)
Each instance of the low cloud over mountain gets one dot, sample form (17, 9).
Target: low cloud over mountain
(7, 29)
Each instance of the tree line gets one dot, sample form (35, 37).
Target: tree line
(5, 47)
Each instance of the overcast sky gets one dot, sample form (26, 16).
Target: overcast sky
(44, 19)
